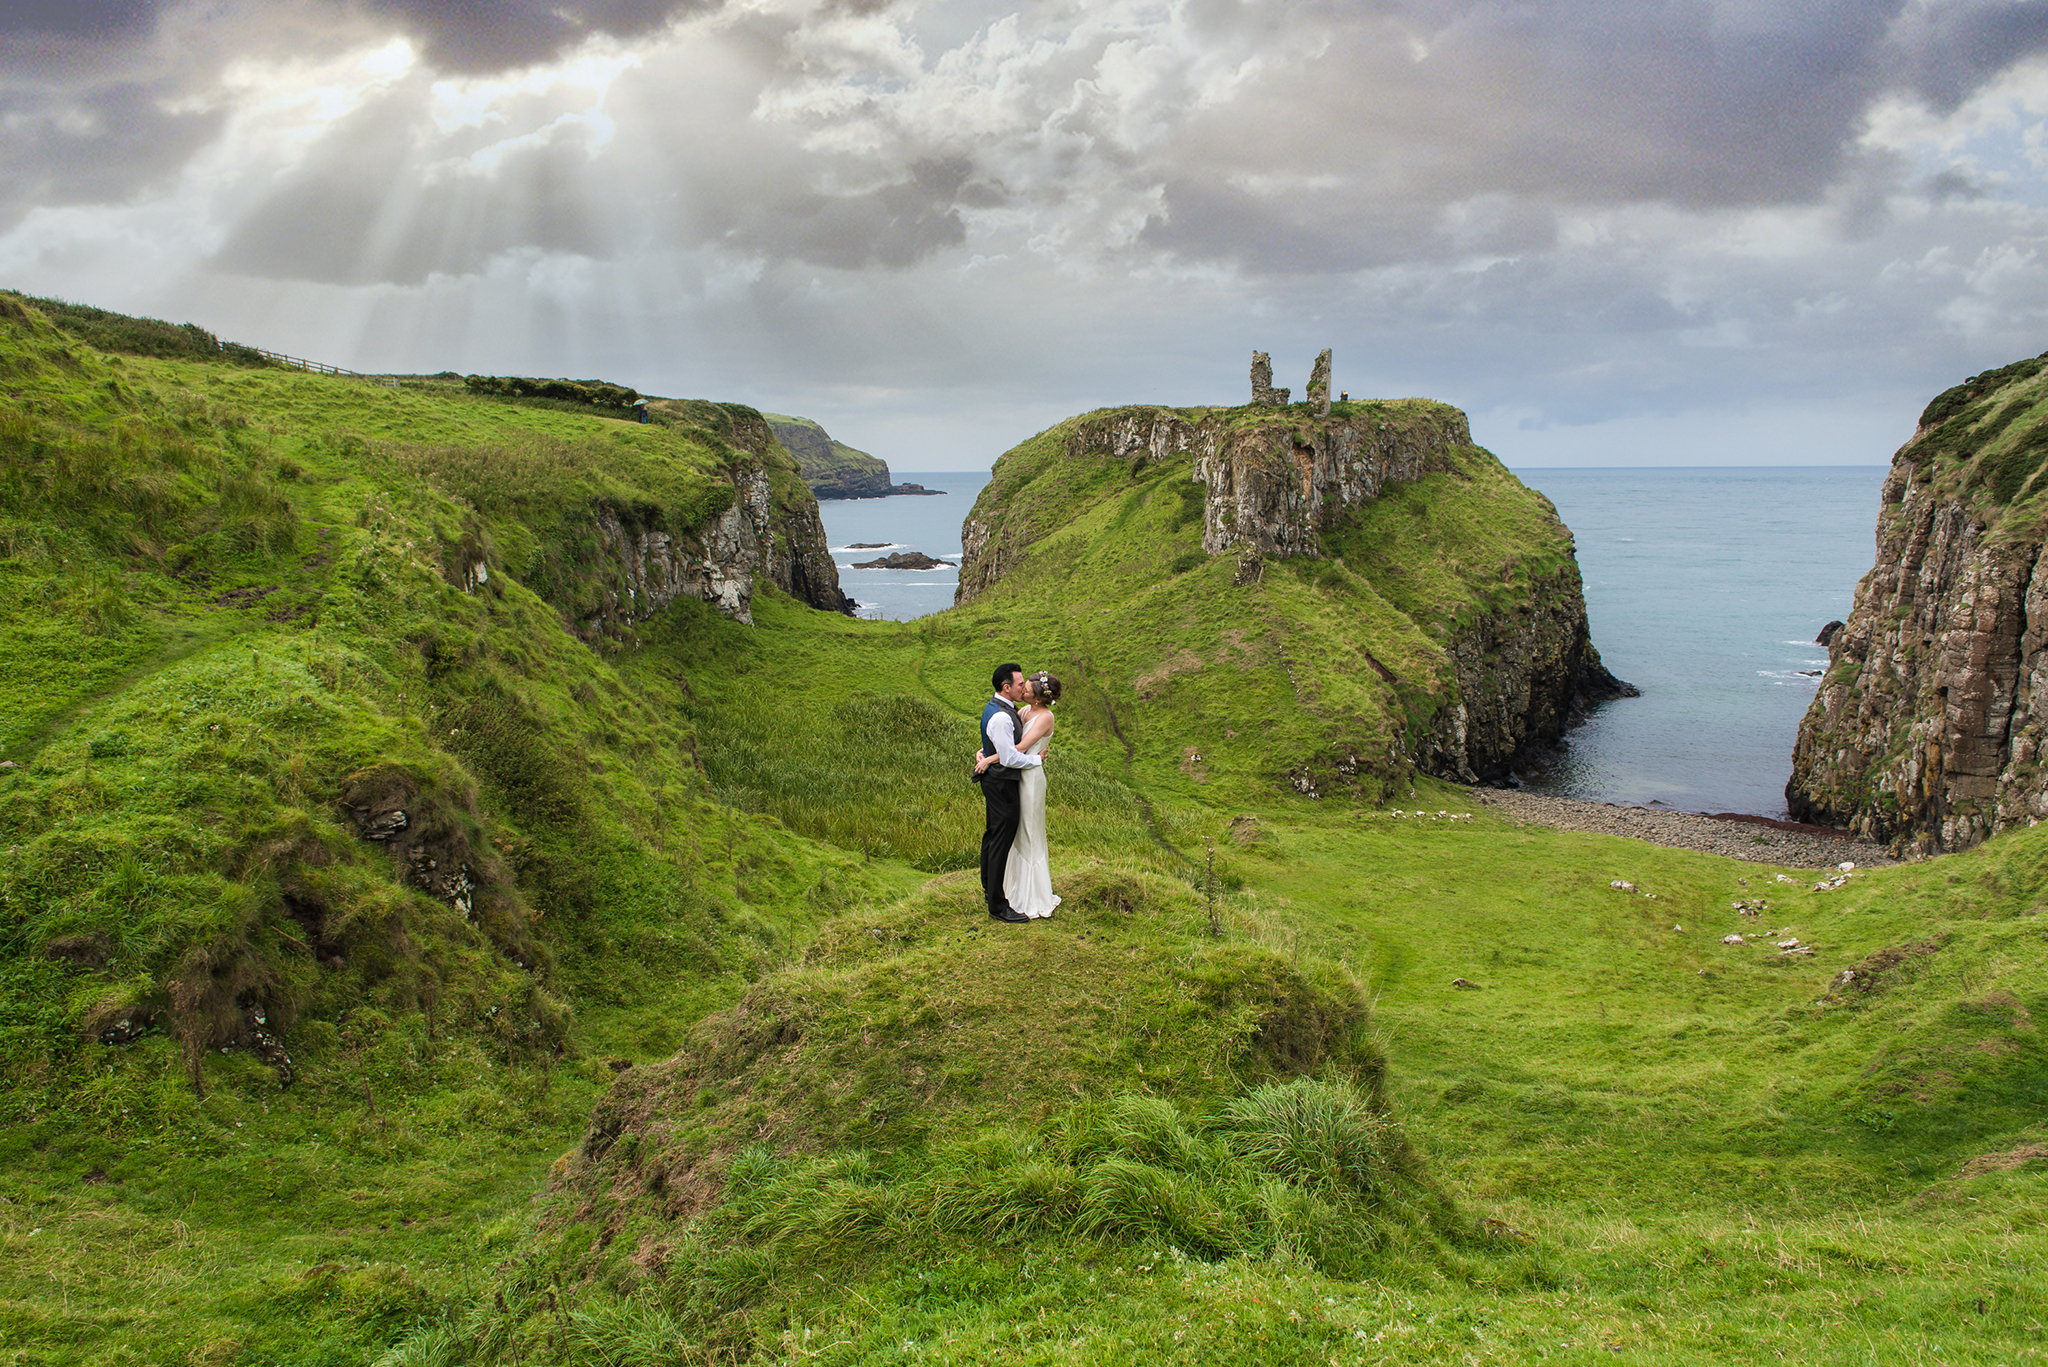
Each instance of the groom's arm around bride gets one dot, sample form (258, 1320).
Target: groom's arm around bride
(999, 731)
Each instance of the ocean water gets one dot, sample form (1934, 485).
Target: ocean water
(1705, 589)
(906, 522)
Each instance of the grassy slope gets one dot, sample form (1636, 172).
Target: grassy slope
(226, 591)
(1711, 1156)
(1983, 441)
(1717, 1155)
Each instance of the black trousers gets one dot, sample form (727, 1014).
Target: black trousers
(1003, 799)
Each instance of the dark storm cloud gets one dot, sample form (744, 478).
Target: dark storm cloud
(480, 36)
(465, 36)
(1945, 52)
(87, 19)
(1343, 160)
(96, 147)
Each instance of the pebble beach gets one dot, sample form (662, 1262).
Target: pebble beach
(1755, 840)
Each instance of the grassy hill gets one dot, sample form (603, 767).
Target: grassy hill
(1436, 624)
(708, 1055)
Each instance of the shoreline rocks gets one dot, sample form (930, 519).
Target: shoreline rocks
(1759, 840)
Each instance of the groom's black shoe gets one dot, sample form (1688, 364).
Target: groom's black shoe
(1009, 914)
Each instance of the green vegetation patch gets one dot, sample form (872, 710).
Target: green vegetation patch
(1287, 1079)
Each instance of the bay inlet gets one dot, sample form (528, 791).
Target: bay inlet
(1705, 588)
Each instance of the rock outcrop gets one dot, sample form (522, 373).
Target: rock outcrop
(769, 530)
(1277, 484)
(1274, 481)
(1927, 730)
(904, 560)
(1525, 676)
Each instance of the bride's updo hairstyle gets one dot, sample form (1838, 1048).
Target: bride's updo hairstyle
(1046, 686)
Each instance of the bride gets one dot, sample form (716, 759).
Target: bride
(1027, 878)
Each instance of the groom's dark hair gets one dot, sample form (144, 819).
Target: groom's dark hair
(1003, 673)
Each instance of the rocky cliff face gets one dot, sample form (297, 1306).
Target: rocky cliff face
(1274, 479)
(1927, 730)
(1525, 675)
(771, 530)
(1283, 483)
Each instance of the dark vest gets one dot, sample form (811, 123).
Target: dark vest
(999, 771)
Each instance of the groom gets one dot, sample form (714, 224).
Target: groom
(999, 785)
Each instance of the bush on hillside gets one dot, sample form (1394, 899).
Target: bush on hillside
(596, 393)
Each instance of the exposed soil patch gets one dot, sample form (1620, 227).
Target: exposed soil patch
(247, 597)
(1182, 662)
(1886, 968)
(2004, 1162)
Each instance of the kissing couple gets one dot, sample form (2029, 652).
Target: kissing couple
(1016, 728)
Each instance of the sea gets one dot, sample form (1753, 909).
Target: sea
(1705, 589)
(870, 528)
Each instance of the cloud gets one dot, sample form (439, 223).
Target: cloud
(98, 147)
(459, 36)
(93, 20)
(468, 37)
(1565, 208)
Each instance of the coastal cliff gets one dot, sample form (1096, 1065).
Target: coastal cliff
(766, 528)
(1927, 730)
(831, 468)
(1459, 643)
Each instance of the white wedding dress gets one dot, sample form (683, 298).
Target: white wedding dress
(1027, 878)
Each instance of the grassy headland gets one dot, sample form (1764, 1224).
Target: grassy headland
(830, 467)
(715, 1059)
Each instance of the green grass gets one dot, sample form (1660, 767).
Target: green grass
(717, 1059)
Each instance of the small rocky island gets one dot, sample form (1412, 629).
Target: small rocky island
(904, 560)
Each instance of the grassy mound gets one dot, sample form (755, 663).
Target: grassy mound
(1118, 1076)
(930, 1019)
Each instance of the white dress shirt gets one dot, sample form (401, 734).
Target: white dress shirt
(1002, 735)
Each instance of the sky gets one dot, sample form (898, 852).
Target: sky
(1615, 232)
